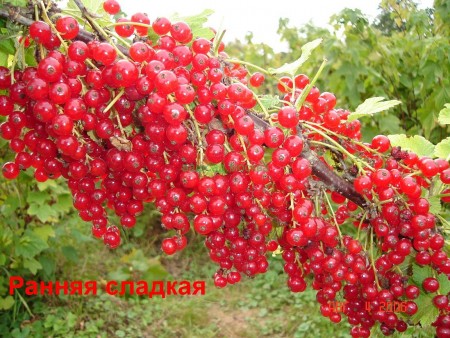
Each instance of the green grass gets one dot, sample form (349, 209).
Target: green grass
(258, 307)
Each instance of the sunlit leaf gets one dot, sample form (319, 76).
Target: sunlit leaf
(417, 144)
(197, 23)
(293, 67)
(372, 106)
(444, 115)
(442, 149)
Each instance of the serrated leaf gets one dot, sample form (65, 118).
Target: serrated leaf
(29, 245)
(44, 232)
(420, 273)
(32, 265)
(38, 197)
(372, 106)
(64, 203)
(426, 313)
(45, 213)
(435, 204)
(197, 23)
(417, 144)
(442, 149)
(266, 102)
(444, 284)
(292, 68)
(444, 115)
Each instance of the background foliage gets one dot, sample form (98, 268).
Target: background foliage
(404, 55)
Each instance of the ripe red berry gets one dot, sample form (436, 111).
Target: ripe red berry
(67, 27)
(40, 31)
(111, 7)
(169, 246)
(430, 284)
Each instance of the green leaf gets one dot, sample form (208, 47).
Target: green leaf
(390, 124)
(64, 203)
(6, 303)
(48, 265)
(7, 45)
(292, 68)
(435, 204)
(211, 170)
(426, 313)
(444, 284)
(3, 59)
(442, 149)
(45, 213)
(38, 197)
(266, 102)
(120, 333)
(32, 265)
(420, 273)
(197, 23)
(444, 115)
(120, 274)
(418, 144)
(328, 157)
(30, 58)
(10, 205)
(156, 272)
(29, 245)
(70, 253)
(44, 232)
(372, 106)
(17, 3)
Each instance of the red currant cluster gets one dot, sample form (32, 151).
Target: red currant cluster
(174, 123)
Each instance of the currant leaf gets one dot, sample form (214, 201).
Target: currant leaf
(419, 273)
(444, 115)
(266, 102)
(426, 313)
(197, 23)
(417, 144)
(372, 106)
(442, 149)
(293, 67)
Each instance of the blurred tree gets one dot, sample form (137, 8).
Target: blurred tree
(402, 54)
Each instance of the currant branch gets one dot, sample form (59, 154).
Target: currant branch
(333, 181)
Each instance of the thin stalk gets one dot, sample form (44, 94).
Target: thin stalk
(301, 99)
(341, 148)
(330, 207)
(245, 63)
(113, 101)
(372, 261)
